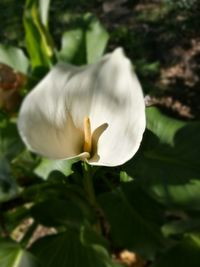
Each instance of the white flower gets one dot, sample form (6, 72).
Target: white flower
(94, 112)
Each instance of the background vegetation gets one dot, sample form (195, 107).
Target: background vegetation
(149, 206)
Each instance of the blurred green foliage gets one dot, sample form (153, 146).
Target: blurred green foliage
(185, 4)
(150, 205)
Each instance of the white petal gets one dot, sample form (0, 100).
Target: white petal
(51, 117)
(45, 123)
(119, 107)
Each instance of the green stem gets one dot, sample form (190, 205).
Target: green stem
(88, 184)
(89, 189)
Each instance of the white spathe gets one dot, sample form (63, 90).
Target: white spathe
(108, 92)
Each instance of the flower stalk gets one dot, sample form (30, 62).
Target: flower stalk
(89, 189)
(88, 183)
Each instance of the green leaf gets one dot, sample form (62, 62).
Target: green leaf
(73, 47)
(46, 166)
(38, 40)
(168, 163)
(184, 254)
(71, 248)
(85, 42)
(14, 57)
(96, 39)
(143, 204)
(56, 212)
(12, 255)
(124, 177)
(134, 220)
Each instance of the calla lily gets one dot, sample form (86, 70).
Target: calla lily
(95, 112)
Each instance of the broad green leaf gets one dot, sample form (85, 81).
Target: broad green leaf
(46, 166)
(38, 40)
(14, 57)
(72, 248)
(96, 39)
(134, 224)
(73, 46)
(144, 205)
(56, 212)
(184, 254)
(58, 202)
(85, 42)
(168, 163)
(12, 255)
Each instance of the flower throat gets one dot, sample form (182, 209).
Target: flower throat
(87, 145)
